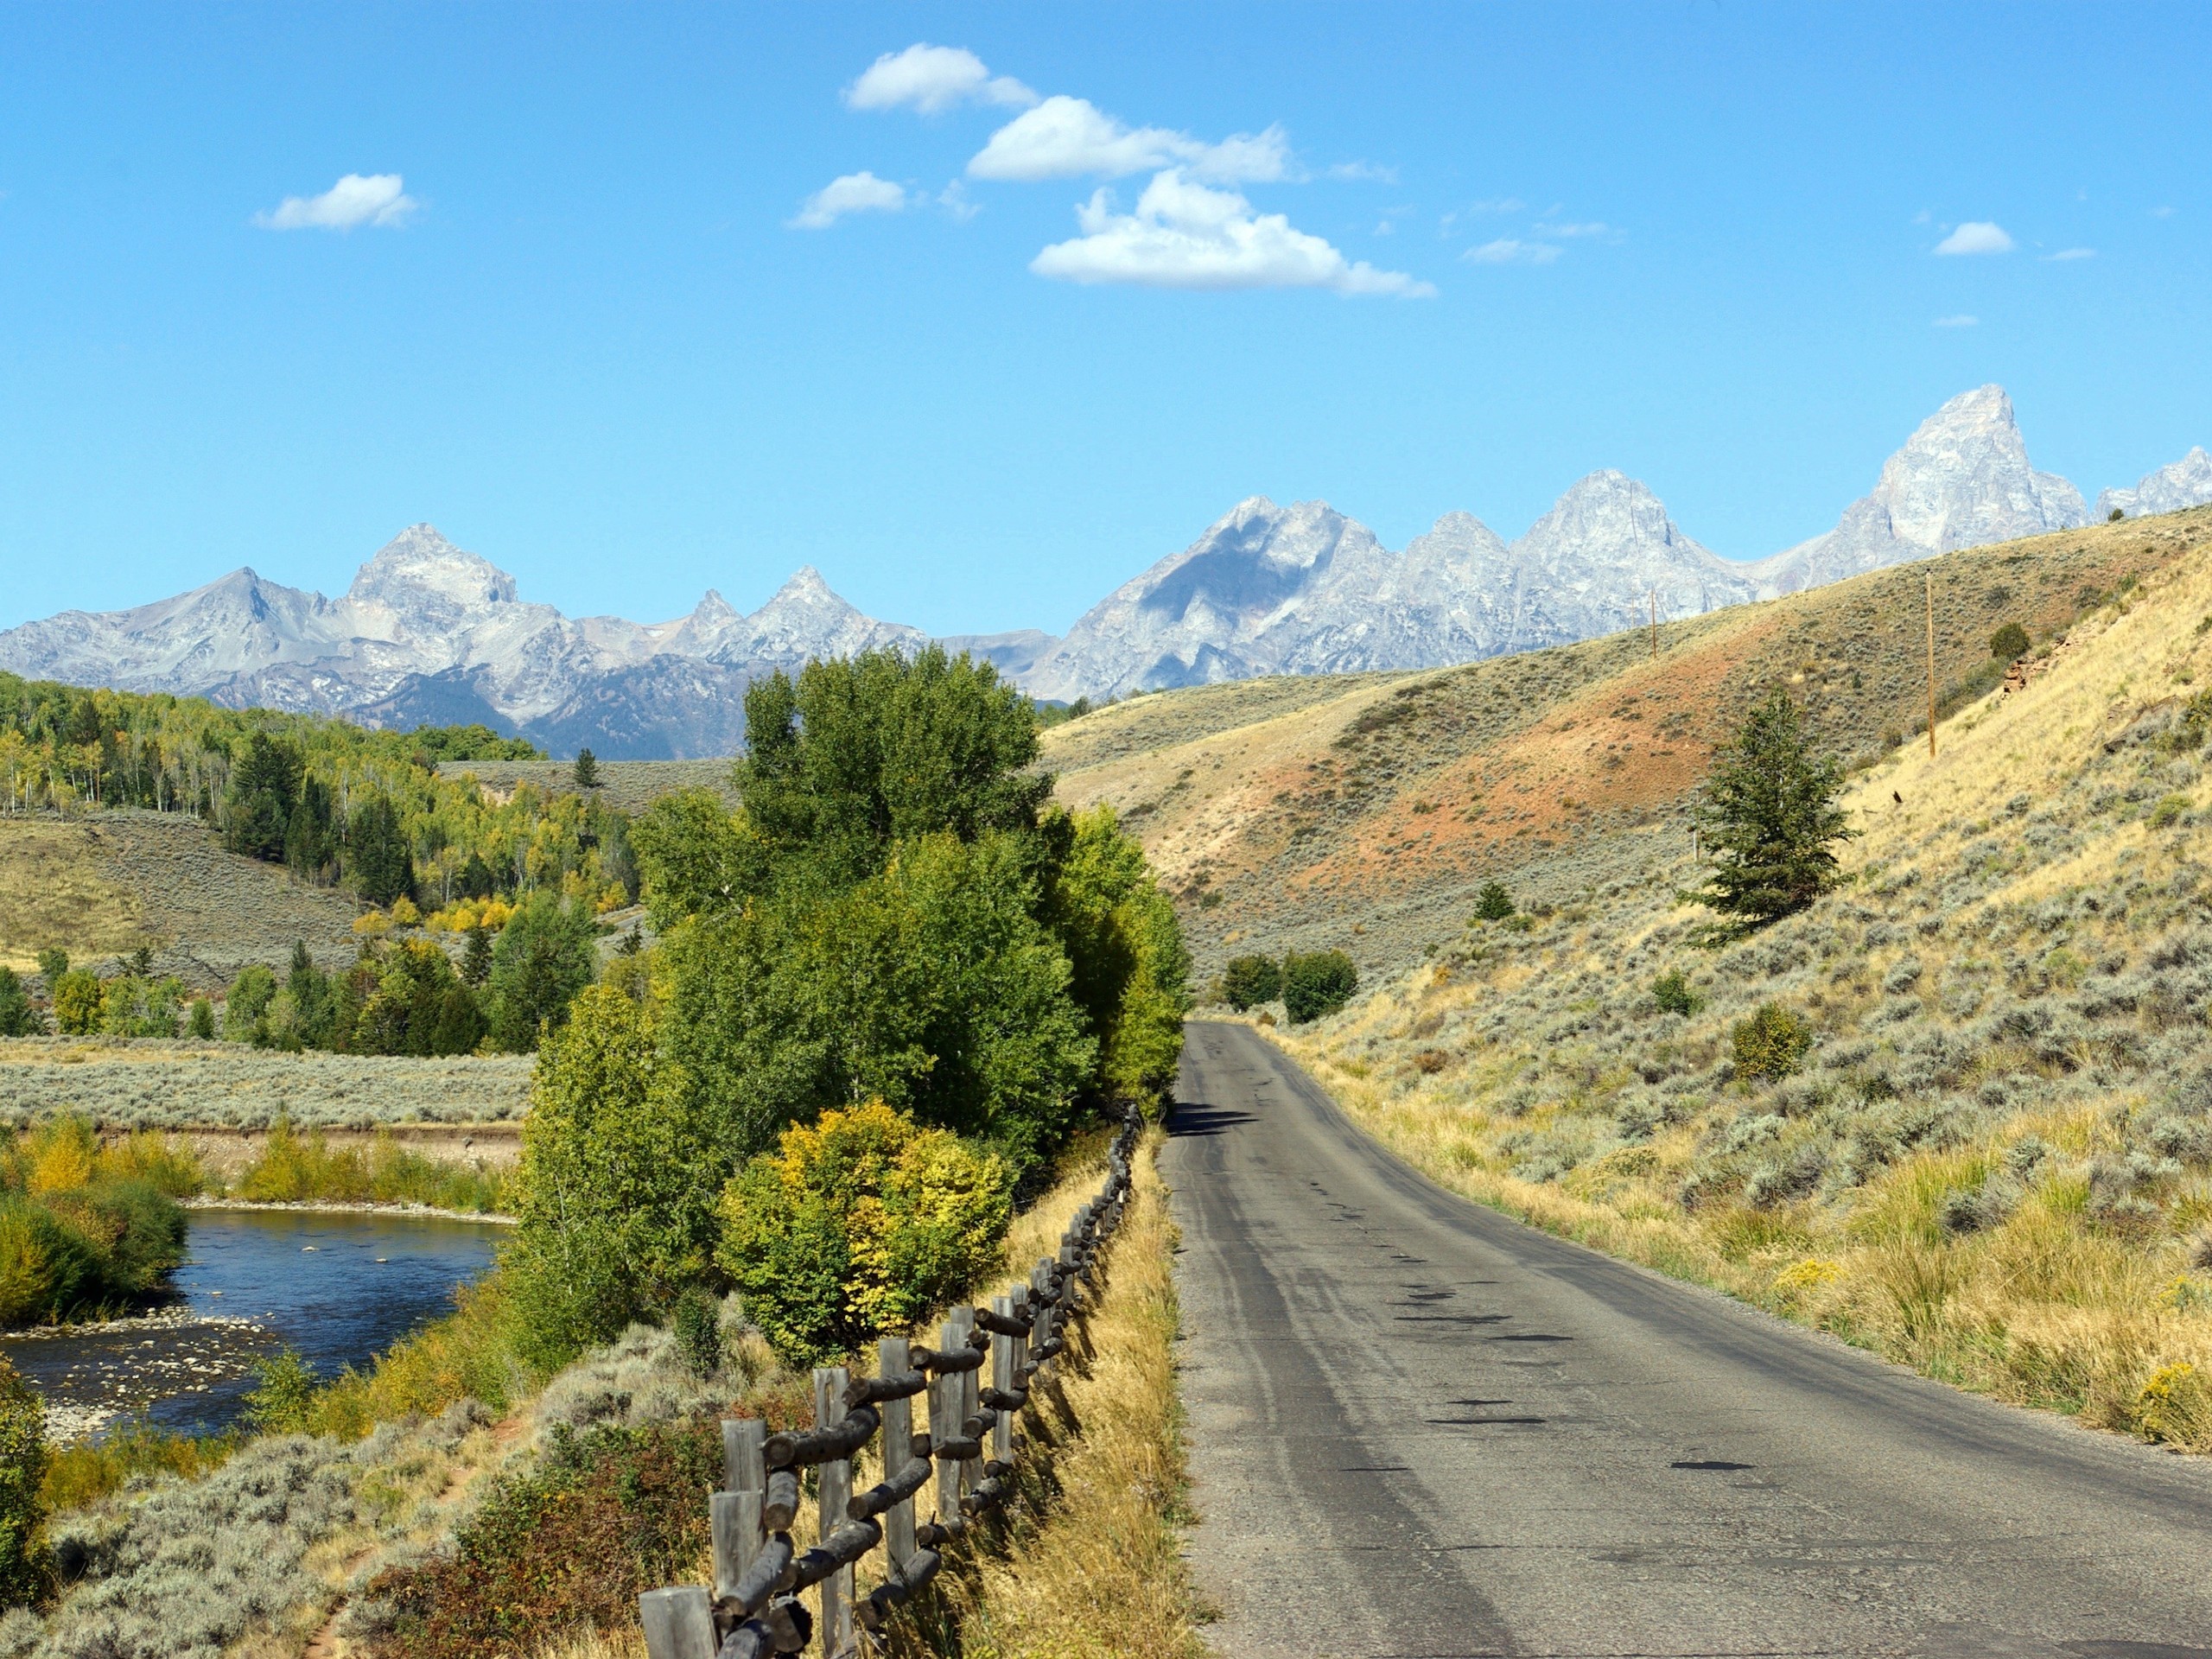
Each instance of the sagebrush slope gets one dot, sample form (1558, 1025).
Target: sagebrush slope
(1996, 1161)
(1365, 811)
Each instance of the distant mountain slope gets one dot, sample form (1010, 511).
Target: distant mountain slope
(1284, 816)
(1963, 480)
(1305, 590)
(2185, 483)
(430, 632)
(427, 632)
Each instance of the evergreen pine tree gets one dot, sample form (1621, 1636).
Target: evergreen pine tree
(587, 769)
(1493, 903)
(1771, 819)
(476, 965)
(383, 868)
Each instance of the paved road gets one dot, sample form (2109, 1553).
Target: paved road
(1419, 1428)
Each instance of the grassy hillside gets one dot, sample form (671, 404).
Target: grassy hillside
(1364, 810)
(1995, 1162)
(101, 884)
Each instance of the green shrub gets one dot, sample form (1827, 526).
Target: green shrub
(200, 1023)
(1674, 995)
(859, 1225)
(26, 1566)
(1248, 981)
(17, 1017)
(2009, 642)
(1316, 984)
(1493, 903)
(280, 1402)
(697, 1326)
(1771, 1044)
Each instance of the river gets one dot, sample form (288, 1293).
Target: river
(340, 1287)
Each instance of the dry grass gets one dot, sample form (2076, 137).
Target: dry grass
(1089, 1562)
(102, 884)
(1364, 811)
(1997, 1164)
(58, 887)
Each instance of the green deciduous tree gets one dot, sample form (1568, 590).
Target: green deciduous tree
(1247, 981)
(1771, 819)
(623, 1164)
(76, 997)
(17, 1017)
(2009, 642)
(1317, 983)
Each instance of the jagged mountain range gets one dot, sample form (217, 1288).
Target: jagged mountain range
(430, 633)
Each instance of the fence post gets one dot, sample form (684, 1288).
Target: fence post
(837, 1488)
(891, 1358)
(1004, 1380)
(734, 1513)
(945, 1425)
(971, 1389)
(679, 1623)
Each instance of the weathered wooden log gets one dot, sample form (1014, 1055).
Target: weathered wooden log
(1001, 1324)
(780, 1507)
(943, 1361)
(873, 1391)
(744, 1470)
(1007, 1399)
(883, 1494)
(839, 1550)
(763, 1579)
(958, 1449)
(797, 1449)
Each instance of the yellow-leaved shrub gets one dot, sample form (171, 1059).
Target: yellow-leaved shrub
(859, 1225)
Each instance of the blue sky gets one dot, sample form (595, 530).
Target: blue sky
(576, 300)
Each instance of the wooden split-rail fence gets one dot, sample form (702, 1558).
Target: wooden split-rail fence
(755, 1607)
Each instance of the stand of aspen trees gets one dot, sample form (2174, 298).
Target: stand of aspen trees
(755, 1607)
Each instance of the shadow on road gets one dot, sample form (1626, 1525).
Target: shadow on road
(1190, 1117)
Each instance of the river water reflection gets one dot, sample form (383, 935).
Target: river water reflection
(339, 1288)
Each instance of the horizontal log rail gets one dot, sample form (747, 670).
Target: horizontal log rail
(754, 1609)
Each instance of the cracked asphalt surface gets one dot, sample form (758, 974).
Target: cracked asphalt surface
(1420, 1429)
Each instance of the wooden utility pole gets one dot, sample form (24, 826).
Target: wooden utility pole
(1655, 622)
(1931, 664)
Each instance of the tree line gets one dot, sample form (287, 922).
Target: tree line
(338, 804)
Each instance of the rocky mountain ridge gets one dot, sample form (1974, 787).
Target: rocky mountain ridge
(430, 632)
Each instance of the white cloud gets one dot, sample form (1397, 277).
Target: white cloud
(933, 79)
(1593, 228)
(1976, 236)
(955, 200)
(856, 193)
(1184, 234)
(1961, 320)
(378, 198)
(1067, 138)
(1510, 250)
(2072, 253)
